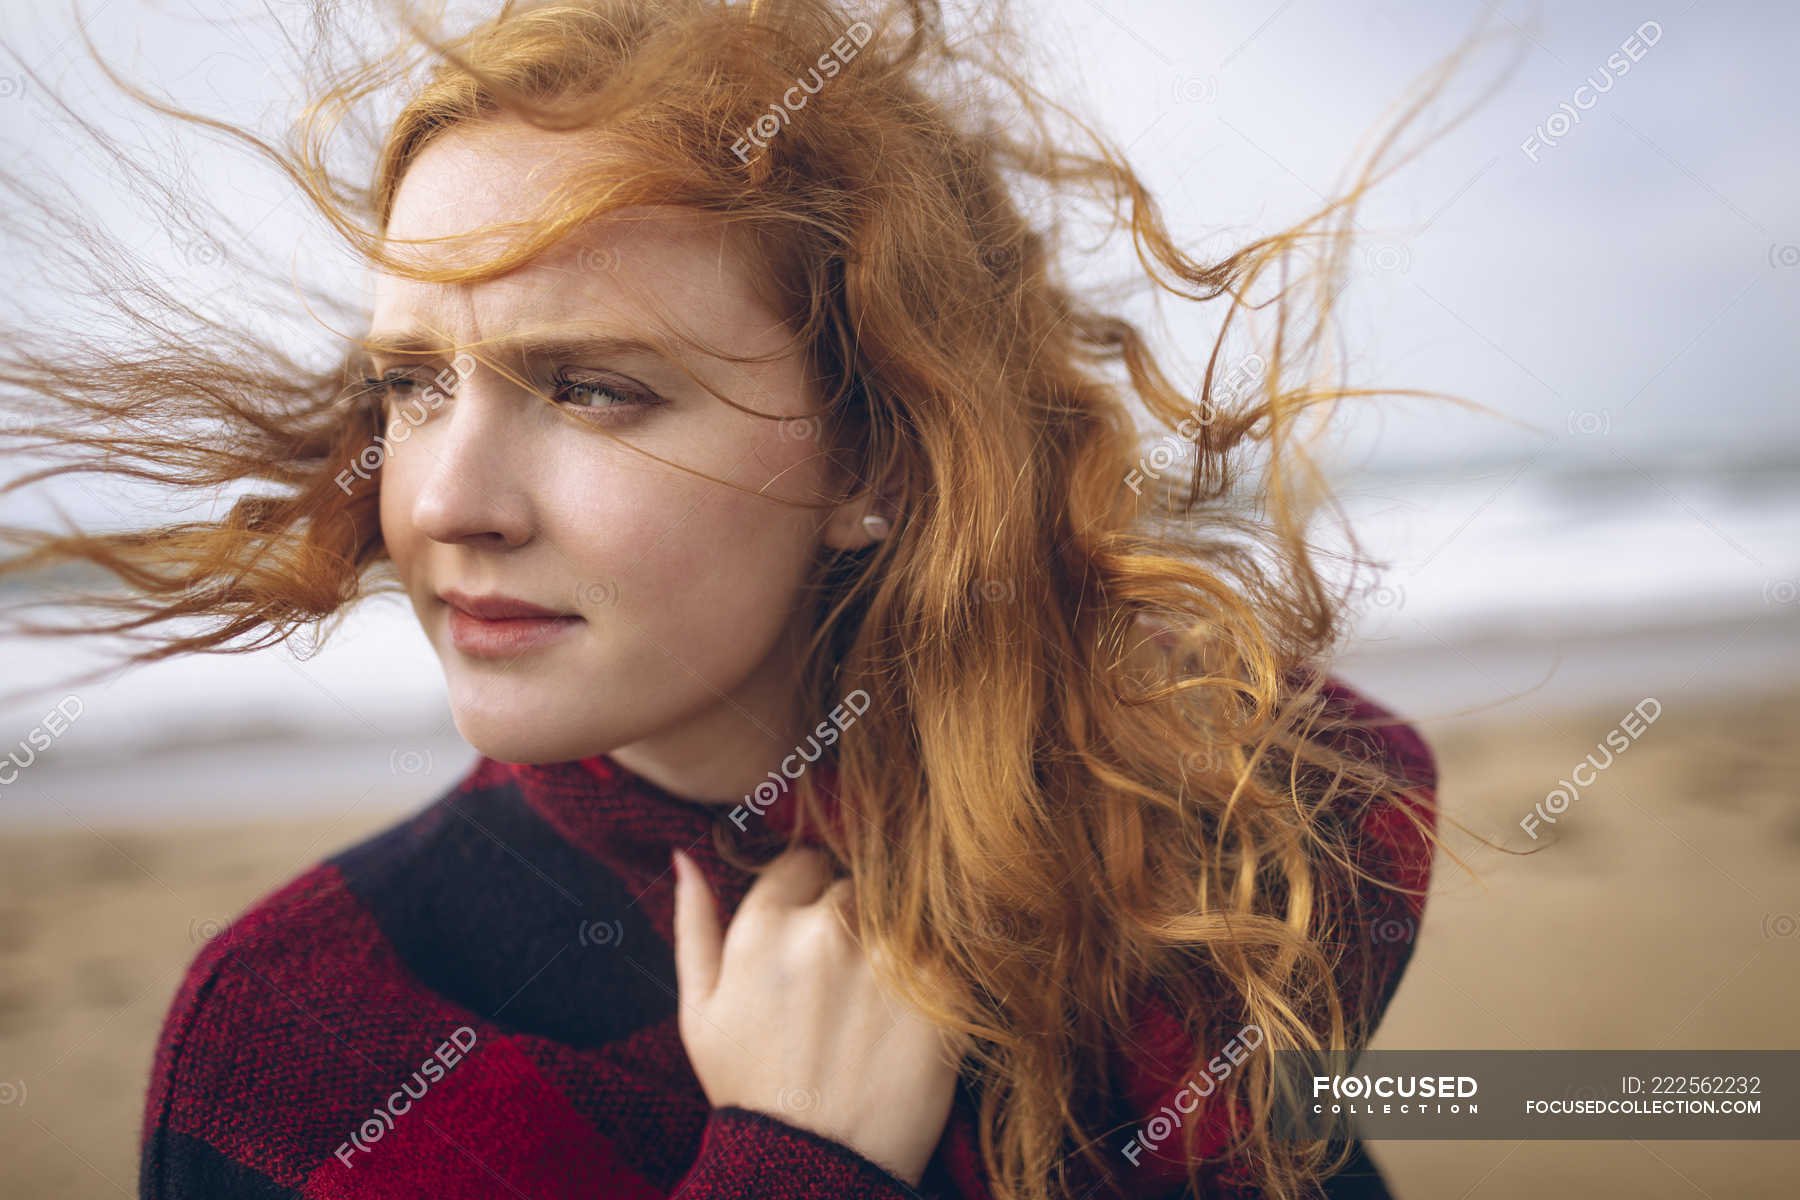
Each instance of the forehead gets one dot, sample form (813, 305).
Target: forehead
(504, 170)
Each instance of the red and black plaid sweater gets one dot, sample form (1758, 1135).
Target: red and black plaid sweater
(480, 1001)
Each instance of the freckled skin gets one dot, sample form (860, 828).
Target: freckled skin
(689, 589)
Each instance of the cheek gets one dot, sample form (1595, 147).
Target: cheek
(395, 514)
(709, 572)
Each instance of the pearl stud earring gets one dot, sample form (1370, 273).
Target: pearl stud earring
(876, 525)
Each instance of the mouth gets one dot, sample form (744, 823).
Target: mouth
(496, 626)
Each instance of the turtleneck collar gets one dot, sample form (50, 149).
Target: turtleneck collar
(629, 824)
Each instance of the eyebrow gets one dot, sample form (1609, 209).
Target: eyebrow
(573, 343)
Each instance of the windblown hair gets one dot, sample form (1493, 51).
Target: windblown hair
(1096, 762)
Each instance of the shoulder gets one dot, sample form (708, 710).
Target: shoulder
(1395, 834)
(270, 1020)
(1391, 841)
(1377, 731)
(1354, 720)
(212, 1065)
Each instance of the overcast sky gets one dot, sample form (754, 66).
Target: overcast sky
(1631, 281)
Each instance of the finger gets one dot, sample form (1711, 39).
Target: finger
(697, 939)
(796, 877)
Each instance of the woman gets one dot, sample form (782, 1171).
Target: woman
(895, 778)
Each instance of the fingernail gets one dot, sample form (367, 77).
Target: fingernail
(680, 861)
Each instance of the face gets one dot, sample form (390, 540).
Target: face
(676, 600)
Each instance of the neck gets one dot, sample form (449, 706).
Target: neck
(719, 755)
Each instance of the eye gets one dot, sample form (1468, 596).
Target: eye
(601, 395)
(395, 381)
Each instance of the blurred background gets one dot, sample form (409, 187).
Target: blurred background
(1608, 259)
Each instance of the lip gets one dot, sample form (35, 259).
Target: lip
(496, 626)
(496, 607)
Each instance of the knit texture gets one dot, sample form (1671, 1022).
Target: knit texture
(480, 1001)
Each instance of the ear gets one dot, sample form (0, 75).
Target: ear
(845, 528)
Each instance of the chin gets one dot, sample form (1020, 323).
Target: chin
(515, 733)
(514, 744)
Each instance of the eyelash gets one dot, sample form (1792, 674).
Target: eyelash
(382, 386)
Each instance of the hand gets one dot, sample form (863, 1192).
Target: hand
(784, 1016)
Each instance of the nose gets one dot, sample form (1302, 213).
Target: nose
(475, 486)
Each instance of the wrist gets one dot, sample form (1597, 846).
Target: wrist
(841, 1157)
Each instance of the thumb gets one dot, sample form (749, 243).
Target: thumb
(697, 938)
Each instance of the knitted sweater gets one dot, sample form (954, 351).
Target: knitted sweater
(480, 1001)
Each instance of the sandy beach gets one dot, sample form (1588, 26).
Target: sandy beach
(1658, 915)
